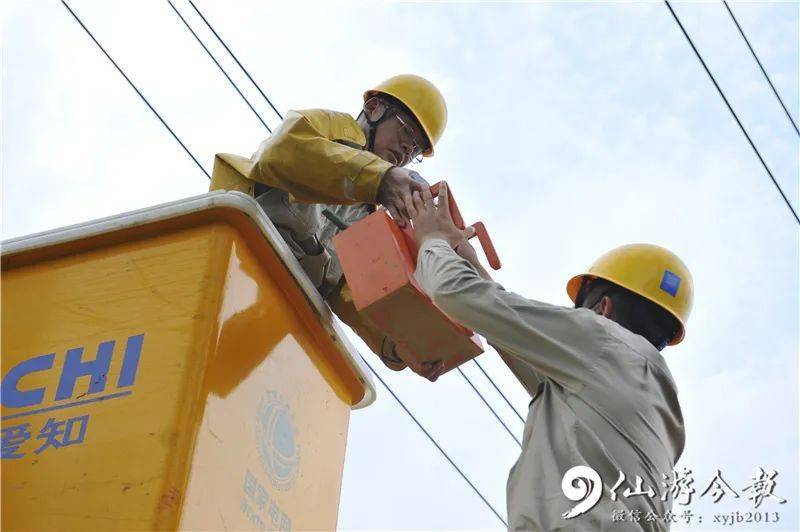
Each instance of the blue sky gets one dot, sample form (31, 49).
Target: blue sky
(574, 128)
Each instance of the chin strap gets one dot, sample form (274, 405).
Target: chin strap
(373, 127)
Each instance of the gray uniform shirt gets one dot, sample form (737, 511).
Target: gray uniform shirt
(603, 398)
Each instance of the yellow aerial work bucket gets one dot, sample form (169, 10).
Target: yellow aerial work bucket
(171, 368)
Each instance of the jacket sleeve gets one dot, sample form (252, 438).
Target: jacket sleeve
(342, 305)
(316, 156)
(558, 342)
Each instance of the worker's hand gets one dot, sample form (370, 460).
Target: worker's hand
(388, 355)
(395, 192)
(465, 250)
(429, 370)
(433, 221)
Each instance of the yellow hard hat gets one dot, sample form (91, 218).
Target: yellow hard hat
(650, 271)
(422, 98)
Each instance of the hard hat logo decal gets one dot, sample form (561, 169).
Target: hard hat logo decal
(276, 441)
(670, 283)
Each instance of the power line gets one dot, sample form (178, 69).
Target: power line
(498, 390)
(211, 56)
(236, 59)
(490, 407)
(434, 442)
(79, 21)
(735, 116)
(763, 71)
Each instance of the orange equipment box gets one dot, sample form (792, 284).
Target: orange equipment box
(378, 259)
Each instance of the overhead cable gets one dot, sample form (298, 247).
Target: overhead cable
(475, 360)
(499, 419)
(735, 116)
(434, 442)
(174, 135)
(222, 42)
(763, 71)
(214, 59)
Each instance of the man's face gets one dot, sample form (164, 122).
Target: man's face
(398, 139)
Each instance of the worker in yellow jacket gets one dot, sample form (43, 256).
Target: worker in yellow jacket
(319, 159)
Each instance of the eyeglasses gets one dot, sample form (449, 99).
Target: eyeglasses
(408, 134)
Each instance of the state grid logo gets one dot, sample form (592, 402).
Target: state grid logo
(276, 441)
(670, 283)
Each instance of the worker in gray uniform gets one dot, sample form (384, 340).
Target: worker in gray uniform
(603, 396)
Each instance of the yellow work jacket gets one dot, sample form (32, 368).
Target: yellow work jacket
(314, 159)
(316, 155)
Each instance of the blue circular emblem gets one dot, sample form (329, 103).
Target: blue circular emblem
(275, 438)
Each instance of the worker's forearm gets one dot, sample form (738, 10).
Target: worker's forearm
(554, 340)
(454, 284)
